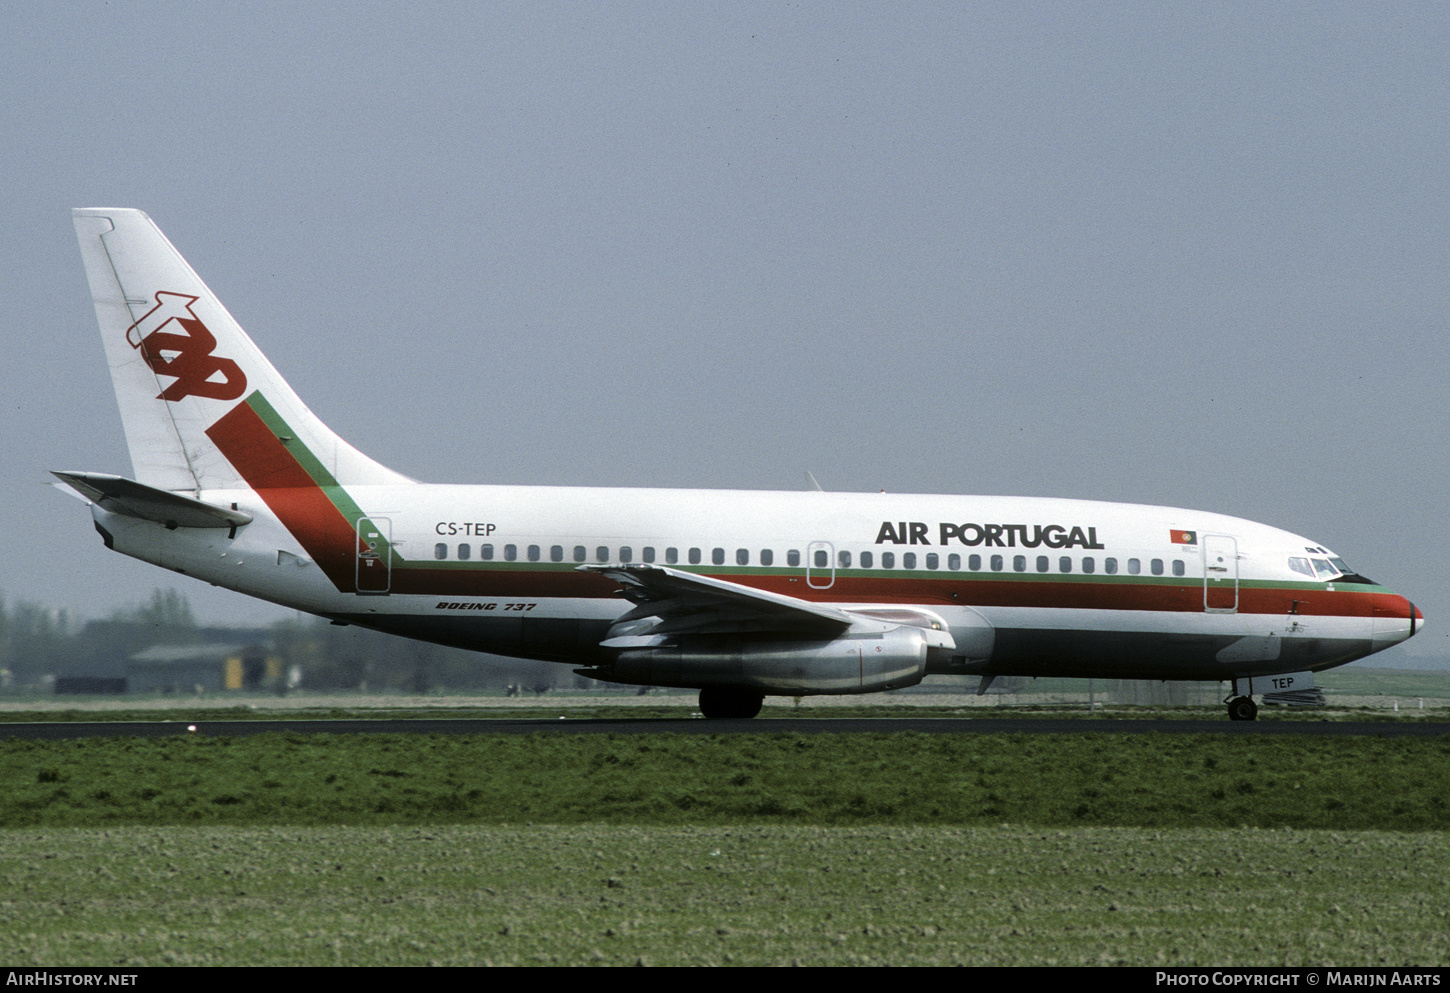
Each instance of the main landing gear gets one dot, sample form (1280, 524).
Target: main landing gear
(730, 701)
(1242, 708)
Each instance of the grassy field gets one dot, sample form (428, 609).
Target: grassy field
(746, 849)
(746, 895)
(1141, 780)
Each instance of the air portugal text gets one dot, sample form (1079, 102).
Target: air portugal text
(989, 535)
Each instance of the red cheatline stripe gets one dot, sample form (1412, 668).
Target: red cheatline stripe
(914, 588)
(279, 479)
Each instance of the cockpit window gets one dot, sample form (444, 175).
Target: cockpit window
(1331, 567)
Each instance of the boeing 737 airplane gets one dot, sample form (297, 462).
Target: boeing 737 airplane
(738, 594)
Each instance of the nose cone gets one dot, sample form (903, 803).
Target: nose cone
(1395, 620)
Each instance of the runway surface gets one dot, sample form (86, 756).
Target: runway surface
(220, 729)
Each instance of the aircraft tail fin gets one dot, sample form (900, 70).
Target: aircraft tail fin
(201, 405)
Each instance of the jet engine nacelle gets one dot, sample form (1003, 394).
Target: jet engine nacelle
(852, 663)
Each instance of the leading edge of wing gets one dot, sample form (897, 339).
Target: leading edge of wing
(687, 601)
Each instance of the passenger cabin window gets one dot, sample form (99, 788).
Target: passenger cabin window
(908, 560)
(1042, 563)
(626, 554)
(1157, 567)
(954, 561)
(440, 551)
(742, 556)
(510, 552)
(485, 552)
(974, 563)
(1110, 566)
(996, 563)
(672, 556)
(465, 552)
(556, 553)
(717, 556)
(648, 553)
(822, 560)
(1088, 565)
(1179, 569)
(767, 557)
(580, 553)
(1134, 567)
(1019, 563)
(601, 554)
(843, 560)
(534, 553)
(888, 560)
(1064, 564)
(932, 562)
(867, 560)
(793, 558)
(694, 556)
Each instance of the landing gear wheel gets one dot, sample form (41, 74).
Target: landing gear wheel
(1242, 708)
(728, 701)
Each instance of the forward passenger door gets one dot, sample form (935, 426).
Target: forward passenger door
(1220, 574)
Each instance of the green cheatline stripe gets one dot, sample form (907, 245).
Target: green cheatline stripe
(312, 465)
(518, 565)
(309, 462)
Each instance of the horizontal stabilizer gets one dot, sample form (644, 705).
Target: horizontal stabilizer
(120, 495)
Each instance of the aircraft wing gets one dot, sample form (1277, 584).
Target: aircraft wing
(126, 496)
(672, 602)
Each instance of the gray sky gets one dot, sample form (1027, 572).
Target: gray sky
(1164, 253)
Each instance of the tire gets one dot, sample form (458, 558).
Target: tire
(1242, 708)
(729, 702)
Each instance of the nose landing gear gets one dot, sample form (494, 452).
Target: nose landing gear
(1242, 708)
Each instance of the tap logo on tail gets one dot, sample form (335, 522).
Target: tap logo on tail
(174, 342)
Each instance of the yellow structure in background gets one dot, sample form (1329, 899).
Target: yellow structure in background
(232, 671)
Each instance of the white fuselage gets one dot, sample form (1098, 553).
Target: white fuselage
(1024, 585)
